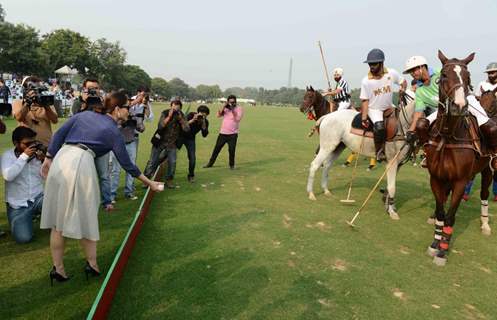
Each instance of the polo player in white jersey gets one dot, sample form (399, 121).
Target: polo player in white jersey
(376, 96)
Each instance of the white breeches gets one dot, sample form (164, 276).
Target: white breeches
(375, 115)
(474, 107)
(343, 105)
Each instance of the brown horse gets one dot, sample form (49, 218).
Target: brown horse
(315, 106)
(453, 153)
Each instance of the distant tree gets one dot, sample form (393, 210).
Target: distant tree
(178, 87)
(130, 78)
(106, 62)
(206, 92)
(160, 87)
(65, 47)
(20, 50)
(2, 13)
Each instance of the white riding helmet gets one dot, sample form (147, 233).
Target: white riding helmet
(413, 62)
(338, 72)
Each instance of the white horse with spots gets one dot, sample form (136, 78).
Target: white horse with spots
(335, 135)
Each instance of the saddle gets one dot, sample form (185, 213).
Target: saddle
(391, 124)
(443, 137)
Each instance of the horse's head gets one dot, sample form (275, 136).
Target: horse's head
(455, 82)
(310, 98)
(488, 99)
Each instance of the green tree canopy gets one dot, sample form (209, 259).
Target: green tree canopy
(160, 87)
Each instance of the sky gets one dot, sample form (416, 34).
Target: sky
(250, 43)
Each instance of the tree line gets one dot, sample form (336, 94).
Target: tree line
(24, 51)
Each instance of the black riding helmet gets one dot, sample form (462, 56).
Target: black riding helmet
(375, 56)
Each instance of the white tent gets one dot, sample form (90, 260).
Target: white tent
(66, 70)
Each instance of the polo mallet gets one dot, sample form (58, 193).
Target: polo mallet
(348, 200)
(351, 222)
(324, 64)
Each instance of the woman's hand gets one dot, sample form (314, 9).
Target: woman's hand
(45, 167)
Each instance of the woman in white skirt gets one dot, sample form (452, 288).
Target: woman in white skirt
(72, 196)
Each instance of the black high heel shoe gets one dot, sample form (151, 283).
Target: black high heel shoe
(57, 276)
(90, 270)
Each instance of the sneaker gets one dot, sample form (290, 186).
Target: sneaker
(465, 197)
(232, 167)
(191, 179)
(2, 233)
(170, 184)
(370, 167)
(131, 196)
(113, 202)
(209, 165)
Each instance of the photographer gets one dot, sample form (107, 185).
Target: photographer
(139, 111)
(5, 106)
(197, 122)
(171, 122)
(71, 200)
(36, 110)
(23, 183)
(232, 115)
(89, 100)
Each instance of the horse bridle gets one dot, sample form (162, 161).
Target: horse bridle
(452, 89)
(312, 107)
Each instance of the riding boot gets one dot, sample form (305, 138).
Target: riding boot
(489, 131)
(379, 140)
(423, 130)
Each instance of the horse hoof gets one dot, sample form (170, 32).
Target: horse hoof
(312, 197)
(486, 231)
(394, 215)
(431, 221)
(431, 252)
(327, 192)
(439, 261)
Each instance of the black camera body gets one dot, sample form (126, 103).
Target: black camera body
(93, 97)
(42, 95)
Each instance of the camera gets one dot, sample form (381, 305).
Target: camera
(38, 146)
(41, 96)
(93, 97)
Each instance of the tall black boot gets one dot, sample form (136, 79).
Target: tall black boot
(379, 140)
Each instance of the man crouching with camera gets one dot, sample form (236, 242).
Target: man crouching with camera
(36, 111)
(23, 182)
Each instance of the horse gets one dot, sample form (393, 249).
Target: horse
(336, 133)
(453, 154)
(315, 106)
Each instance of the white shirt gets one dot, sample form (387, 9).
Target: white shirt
(484, 86)
(23, 181)
(137, 109)
(379, 92)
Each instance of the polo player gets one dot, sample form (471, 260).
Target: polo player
(376, 96)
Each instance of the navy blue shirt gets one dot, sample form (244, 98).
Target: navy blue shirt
(98, 132)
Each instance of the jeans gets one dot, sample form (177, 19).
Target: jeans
(21, 219)
(190, 151)
(157, 156)
(102, 165)
(469, 186)
(129, 187)
(222, 139)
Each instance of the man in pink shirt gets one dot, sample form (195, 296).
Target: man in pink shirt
(231, 114)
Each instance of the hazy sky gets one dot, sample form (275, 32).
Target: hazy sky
(250, 43)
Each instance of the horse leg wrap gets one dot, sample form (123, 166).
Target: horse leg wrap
(446, 235)
(437, 235)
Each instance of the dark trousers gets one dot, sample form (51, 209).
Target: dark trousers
(157, 155)
(190, 151)
(222, 139)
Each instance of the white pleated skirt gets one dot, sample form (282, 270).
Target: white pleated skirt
(72, 195)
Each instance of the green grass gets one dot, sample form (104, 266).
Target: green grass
(247, 244)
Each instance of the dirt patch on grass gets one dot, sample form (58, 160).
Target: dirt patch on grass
(399, 294)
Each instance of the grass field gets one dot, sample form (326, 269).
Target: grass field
(247, 244)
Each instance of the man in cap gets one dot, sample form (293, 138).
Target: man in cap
(491, 82)
(341, 93)
(427, 99)
(376, 96)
